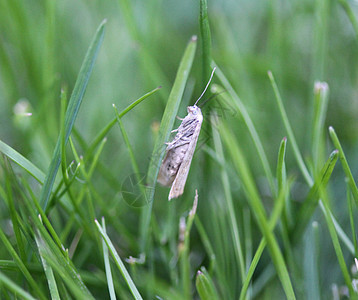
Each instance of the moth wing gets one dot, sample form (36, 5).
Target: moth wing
(177, 188)
(163, 177)
(171, 164)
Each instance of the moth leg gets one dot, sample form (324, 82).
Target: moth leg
(180, 119)
(174, 130)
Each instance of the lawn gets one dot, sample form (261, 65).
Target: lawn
(90, 92)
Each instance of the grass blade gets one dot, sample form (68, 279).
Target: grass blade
(21, 265)
(321, 91)
(290, 133)
(205, 39)
(22, 162)
(72, 111)
(107, 128)
(48, 271)
(229, 201)
(166, 126)
(107, 266)
(205, 286)
(119, 263)
(344, 163)
(235, 100)
(337, 247)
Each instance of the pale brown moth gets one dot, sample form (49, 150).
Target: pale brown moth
(179, 152)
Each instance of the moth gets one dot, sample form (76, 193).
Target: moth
(179, 152)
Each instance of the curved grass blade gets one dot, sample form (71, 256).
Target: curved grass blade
(72, 111)
(119, 263)
(108, 127)
(23, 162)
(166, 126)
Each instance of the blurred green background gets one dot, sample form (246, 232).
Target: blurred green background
(42, 45)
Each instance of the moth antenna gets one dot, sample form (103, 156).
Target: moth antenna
(207, 85)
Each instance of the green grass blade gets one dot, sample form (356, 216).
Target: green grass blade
(337, 247)
(205, 286)
(229, 201)
(321, 91)
(351, 220)
(119, 263)
(322, 14)
(303, 167)
(239, 106)
(14, 215)
(281, 169)
(205, 36)
(21, 265)
(350, 15)
(107, 266)
(290, 133)
(311, 202)
(22, 162)
(72, 111)
(4, 280)
(184, 248)
(108, 127)
(343, 159)
(257, 208)
(277, 210)
(131, 153)
(48, 272)
(166, 126)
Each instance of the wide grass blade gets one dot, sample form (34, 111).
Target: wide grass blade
(119, 263)
(72, 111)
(166, 126)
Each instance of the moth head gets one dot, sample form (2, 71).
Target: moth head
(192, 110)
